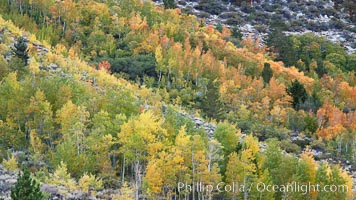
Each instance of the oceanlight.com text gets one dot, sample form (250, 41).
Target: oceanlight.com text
(235, 187)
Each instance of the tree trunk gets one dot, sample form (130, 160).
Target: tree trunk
(123, 170)
(193, 174)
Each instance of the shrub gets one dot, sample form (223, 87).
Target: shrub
(62, 177)
(289, 146)
(336, 23)
(261, 28)
(212, 7)
(234, 21)
(90, 181)
(10, 164)
(227, 15)
(126, 192)
(293, 6)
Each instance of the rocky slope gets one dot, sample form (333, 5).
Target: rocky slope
(316, 16)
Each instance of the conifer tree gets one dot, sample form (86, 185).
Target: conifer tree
(267, 73)
(211, 104)
(169, 4)
(21, 50)
(26, 188)
(20, 60)
(298, 93)
(219, 27)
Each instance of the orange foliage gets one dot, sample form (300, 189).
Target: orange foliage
(104, 66)
(331, 121)
(331, 132)
(290, 74)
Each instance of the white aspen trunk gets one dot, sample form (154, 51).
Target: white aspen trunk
(193, 174)
(123, 170)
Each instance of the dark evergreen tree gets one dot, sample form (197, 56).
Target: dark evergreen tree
(26, 188)
(320, 70)
(298, 93)
(267, 73)
(219, 27)
(135, 66)
(236, 33)
(21, 50)
(312, 103)
(210, 103)
(282, 44)
(20, 59)
(169, 4)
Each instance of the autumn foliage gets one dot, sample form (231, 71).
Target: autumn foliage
(139, 116)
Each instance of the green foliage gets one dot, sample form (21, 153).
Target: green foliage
(99, 124)
(135, 66)
(337, 59)
(311, 123)
(290, 147)
(297, 91)
(227, 135)
(26, 188)
(281, 168)
(10, 137)
(296, 121)
(302, 51)
(169, 4)
(78, 163)
(351, 63)
(4, 69)
(21, 50)
(18, 64)
(312, 103)
(282, 44)
(210, 102)
(267, 73)
(20, 60)
(219, 27)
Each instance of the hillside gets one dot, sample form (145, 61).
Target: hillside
(334, 20)
(126, 100)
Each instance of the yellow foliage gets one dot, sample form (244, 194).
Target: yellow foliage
(36, 142)
(10, 164)
(62, 177)
(126, 193)
(13, 29)
(90, 181)
(32, 38)
(158, 54)
(34, 66)
(60, 49)
(153, 177)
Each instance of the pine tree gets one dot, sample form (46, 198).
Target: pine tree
(267, 73)
(211, 104)
(26, 188)
(20, 60)
(236, 33)
(219, 27)
(21, 50)
(298, 93)
(169, 4)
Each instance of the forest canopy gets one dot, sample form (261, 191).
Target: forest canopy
(105, 94)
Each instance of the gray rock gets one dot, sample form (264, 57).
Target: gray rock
(52, 189)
